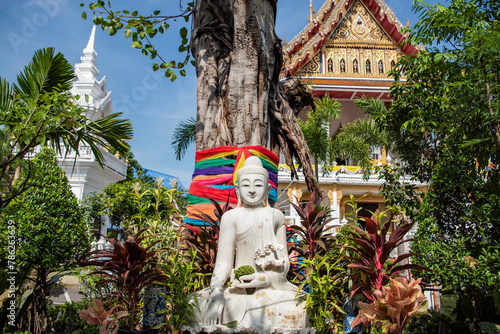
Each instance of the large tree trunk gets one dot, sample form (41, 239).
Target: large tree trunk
(240, 99)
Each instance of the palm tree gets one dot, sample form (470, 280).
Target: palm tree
(356, 139)
(316, 130)
(184, 135)
(39, 111)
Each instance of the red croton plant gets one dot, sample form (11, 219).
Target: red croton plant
(394, 306)
(129, 267)
(314, 229)
(96, 314)
(374, 249)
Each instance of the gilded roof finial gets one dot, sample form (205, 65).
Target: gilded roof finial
(312, 11)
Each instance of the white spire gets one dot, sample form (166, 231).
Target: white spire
(88, 65)
(93, 93)
(90, 48)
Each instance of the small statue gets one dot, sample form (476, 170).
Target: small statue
(252, 235)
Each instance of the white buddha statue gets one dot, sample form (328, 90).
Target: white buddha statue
(253, 234)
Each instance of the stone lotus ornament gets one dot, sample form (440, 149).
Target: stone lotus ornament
(253, 234)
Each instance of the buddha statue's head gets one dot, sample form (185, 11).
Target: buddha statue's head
(252, 186)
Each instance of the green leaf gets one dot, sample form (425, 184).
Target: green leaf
(183, 33)
(156, 67)
(137, 44)
(128, 32)
(156, 12)
(84, 15)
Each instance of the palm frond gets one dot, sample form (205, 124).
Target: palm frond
(5, 95)
(110, 130)
(370, 105)
(375, 108)
(347, 146)
(184, 135)
(47, 72)
(328, 108)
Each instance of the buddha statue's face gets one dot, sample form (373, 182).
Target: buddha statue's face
(253, 189)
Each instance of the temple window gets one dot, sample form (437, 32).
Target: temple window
(355, 66)
(342, 66)
(380, 67)
(330, 65)
(368, 66)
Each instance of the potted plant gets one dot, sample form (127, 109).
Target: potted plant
(129, 267)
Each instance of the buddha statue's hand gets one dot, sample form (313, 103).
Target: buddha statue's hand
(214, 305)
(257, 280)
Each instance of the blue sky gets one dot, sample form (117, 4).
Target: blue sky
(153, 103)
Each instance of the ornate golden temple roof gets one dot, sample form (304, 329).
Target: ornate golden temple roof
(347, 49)
(308, 42)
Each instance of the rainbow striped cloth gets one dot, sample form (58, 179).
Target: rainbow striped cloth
(215, 175)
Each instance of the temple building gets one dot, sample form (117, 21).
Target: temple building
(85, 175)
(345, 52)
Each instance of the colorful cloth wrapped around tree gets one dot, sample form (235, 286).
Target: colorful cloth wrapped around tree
(215, 175)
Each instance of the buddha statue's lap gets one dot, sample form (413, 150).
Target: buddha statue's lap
(253, 234)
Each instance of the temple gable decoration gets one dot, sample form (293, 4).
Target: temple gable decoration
(360, 28)
(343, 31)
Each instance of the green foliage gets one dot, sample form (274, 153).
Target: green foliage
(65, 320)
(142, 29)
(46, 210)
(183, 279)
(324, 301)
(141, 200)
(92, 286)
(315, 129)
(456, 310)
(157, 210)
(445, 125)
(43, 211)
(243, 270)
(40, 111)
(356, 139)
